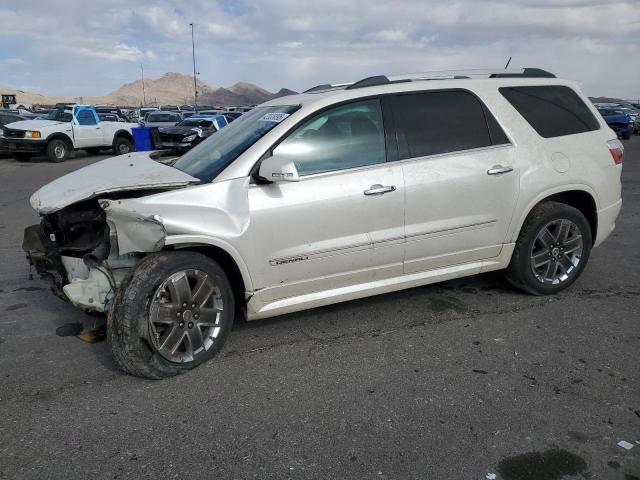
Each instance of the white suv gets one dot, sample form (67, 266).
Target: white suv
(342, 192)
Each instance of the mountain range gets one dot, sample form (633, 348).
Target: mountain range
(170, 89)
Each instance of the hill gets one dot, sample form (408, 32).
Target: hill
(170, 89)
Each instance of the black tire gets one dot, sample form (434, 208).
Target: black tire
(626, 136)
(128, 330)
(122, 146)
(22, 157)
(520, 272)
(93, 151)
(58, 150)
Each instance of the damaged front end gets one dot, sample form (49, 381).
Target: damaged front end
(76, 249)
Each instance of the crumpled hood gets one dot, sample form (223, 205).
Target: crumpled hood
(134, 171)
(33, 124)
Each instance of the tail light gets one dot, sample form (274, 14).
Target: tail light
(617, 151)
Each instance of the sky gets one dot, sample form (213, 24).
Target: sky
(91, 47)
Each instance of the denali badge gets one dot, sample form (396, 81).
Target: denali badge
(282, 261)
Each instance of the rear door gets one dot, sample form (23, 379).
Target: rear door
(343, 222)
(87, 130)
(461, 178)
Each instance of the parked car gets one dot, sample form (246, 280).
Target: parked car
(109, 117)
(8, 117)
(231, 116)
(63, 131)
(191, 131)
(160, 119)
(634, 115)
(111, 109)
(618, 121)
(213, 111)
(142, 112)
(339, 193)
(5, 118)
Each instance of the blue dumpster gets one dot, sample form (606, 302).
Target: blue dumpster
(142, 138)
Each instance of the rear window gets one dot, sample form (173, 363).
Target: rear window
(431, 123)
(162, 117)
(552, 111)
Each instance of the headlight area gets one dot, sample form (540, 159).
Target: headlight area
(32, 134)
(190, 138)
(77, 251)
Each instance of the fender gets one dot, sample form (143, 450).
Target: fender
(192, 240)
(122, 133)
(518, 221)
(62, 136)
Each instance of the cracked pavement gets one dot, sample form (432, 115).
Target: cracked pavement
(456, 380)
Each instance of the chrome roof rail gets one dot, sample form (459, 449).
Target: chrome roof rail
(452, 74)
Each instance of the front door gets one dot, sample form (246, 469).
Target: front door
(87, 130)
(461, 178)
(343, 222)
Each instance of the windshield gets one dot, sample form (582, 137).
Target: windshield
(195, 122)
(59, 116)
(212, 156)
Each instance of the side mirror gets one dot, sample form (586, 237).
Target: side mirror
(278, 169)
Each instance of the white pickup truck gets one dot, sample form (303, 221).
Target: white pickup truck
(63, 131)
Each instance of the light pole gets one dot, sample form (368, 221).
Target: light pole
(195, 83)
(144, 96)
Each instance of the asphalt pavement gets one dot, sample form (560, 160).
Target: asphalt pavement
(465, 379)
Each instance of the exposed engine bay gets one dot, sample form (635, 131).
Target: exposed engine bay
(76, 248)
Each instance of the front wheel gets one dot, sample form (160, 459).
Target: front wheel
(58, 150)
(174, 314)
(552, 249)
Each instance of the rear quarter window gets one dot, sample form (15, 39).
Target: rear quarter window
(552, 111)
(432, 123)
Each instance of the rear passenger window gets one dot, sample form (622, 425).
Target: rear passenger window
(440, 122)
(552, 111)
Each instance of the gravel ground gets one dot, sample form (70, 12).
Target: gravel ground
(458, 380)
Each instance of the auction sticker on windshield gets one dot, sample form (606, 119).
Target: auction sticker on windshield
(274, 117)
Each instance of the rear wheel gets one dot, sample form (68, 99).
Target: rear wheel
(58, 150)
(173, 315)
(122, 146)
(552, 249)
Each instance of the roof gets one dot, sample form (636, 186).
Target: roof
(381, 84)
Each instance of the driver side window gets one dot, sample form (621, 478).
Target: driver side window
(344, 137)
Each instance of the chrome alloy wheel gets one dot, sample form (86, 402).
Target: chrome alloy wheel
(185, 316)
(556, 251)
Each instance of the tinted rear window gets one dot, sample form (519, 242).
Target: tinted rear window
(439, 122)
(552, 111)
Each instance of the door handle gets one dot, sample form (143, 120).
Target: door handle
(499, 170)
(378, 189)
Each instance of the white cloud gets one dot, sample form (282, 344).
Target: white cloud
(219, 30)
(391, 35)
(119, 52)
(289, 43)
